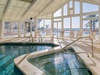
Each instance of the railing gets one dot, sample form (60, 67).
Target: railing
(79, 39)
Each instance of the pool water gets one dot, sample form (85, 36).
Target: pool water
(9, 51)
(61, 63)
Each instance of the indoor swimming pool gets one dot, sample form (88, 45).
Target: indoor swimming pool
(10, 51)
(61, 63)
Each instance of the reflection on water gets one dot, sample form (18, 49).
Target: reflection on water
(61, 64)
(9, 52)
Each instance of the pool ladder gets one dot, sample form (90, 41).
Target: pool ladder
(76, 41)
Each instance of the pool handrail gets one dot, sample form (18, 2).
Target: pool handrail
(75, 52)
(79, 39)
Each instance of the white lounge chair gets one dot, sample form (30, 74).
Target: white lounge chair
(38, 36)
(48, 36)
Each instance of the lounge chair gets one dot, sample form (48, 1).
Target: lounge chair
(38, 36)
(48, 36)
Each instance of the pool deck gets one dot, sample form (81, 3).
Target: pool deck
(93, 63)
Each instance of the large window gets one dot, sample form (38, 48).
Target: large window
(90, 25)
(66, 26)
(57, 29)
(76, 23)
(90, 7)
(44, 25)
(65, 10)
(22, 29)
(15, 29)
(11, 29)
(77, 7)
(58, 13)
(7, 29)
(71, 4)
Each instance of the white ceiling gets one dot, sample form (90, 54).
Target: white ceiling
(3, 4)
(16, 10)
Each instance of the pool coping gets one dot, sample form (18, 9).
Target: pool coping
(28, 69)
(28, 43)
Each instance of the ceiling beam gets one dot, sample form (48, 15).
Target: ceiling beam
(6, 8)
(46, 7)
(27, 10)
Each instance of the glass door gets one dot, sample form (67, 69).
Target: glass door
(57, 29)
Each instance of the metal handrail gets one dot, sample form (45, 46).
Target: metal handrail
(75, 52)
(79, 39)
(63, 55)
(82, 38)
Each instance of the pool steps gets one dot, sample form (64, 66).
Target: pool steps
(3, 61)
(8, 70)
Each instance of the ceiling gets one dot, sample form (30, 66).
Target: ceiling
(17, 10)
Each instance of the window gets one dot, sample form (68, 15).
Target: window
(76, 23)
(58, 13)
(65, 10)
(77, 7)
(90, 7)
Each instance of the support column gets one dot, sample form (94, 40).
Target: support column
(36, 26)
(62, 24)
(11, 28)
(31, 25)
(68, 9)
(81, 17)
(52, 27)
(70, 24)
(57, 30)
(24, 30)
(19, 30)
(2, 24)
(44, 27)
(73, 6)
(99, 24)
